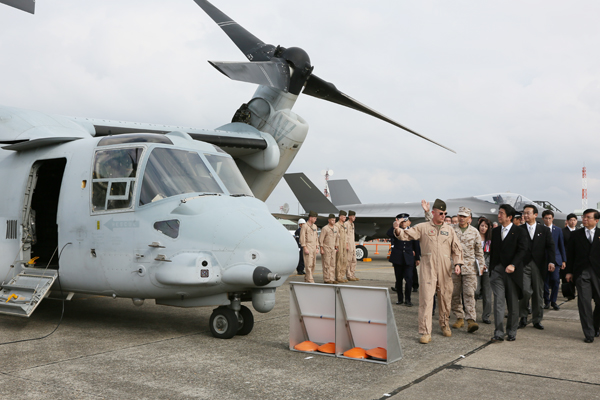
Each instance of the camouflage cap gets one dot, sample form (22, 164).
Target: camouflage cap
(439, 204)
(464, 211)
(350, 213)
(342, 212)
(331, 216)
(313, 214)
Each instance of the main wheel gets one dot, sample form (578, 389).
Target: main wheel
(361, 252)
(223, 323)
(245, 321)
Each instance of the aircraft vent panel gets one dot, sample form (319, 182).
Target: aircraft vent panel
(11, 229)
(22, 294)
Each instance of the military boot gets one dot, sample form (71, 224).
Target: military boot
(446, 331)
(460, 322)
(472, 326)
(425, 339)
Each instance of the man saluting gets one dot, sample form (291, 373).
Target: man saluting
(439, 246)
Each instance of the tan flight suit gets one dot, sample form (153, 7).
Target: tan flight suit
(466, 282)
(329, 241)
(351, 268)
(341, 260)
(309, 240)
(439, 247)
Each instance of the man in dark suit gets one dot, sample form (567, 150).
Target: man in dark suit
(583, 265)
(506, 254)
(404, 256)
(568, 288)
(552, 282)
(538, 260)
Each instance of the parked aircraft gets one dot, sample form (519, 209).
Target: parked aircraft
(143, 211)
(374, 220)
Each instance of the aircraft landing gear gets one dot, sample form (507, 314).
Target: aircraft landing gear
(228, 321)
(361, 252)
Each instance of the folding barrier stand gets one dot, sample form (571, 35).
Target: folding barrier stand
(349, 316)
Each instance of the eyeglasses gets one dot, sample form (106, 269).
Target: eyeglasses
(443, 213)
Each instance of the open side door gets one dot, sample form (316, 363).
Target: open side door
(23, 293)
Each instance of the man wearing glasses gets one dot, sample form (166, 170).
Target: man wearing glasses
(439, 247)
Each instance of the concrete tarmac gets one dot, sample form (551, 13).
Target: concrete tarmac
(108, 348)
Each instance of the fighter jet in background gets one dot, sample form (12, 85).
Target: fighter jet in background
(373, 220)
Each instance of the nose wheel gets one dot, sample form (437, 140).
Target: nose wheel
(225, 323)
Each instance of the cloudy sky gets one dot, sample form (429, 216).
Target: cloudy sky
(512, 86)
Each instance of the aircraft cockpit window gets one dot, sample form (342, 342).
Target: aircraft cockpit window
(229, 173)
(113, 178)
(517, 201)
(170, 172)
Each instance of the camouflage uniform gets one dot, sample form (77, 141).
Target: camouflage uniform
(351, 266)
(309, 240)
(341, 256)
(439, 247)
(466, 282)
(329, 241)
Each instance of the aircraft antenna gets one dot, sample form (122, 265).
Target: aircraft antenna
(584, 202)
(327, 173)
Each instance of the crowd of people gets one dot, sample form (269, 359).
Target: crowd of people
(516, 260)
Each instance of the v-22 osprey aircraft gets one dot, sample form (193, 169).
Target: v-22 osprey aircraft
(167, 213)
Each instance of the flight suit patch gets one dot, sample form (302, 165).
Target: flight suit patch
(431, 232)
(444, 233)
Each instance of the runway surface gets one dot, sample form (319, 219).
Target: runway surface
(110, 349)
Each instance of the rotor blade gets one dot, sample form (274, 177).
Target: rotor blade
(322, 89)
(252, 47)
(25, 5)
(268, 73)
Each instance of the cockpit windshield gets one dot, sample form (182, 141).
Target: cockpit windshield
(170, 172)
(517, 201)
(229, 173)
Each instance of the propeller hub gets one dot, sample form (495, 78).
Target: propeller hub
(299, 62)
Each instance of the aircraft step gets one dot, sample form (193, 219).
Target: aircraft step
(23, 293)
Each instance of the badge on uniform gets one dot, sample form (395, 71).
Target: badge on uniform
(444, 233)
(432, 232)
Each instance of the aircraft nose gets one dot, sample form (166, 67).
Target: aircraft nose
(272, 247)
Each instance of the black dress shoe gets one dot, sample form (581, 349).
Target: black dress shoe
(547, 306)
(394, 289)
(487, 321)
(511, 338)
(589, 340)
(497, 339)
(409, 304)
(555, 307)
(523, 322)
(538, 326)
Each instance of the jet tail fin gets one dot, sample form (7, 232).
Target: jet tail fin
(342, 193)
(25, 5)
(308, 194)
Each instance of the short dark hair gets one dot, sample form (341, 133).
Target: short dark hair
(509, 210)
(535, 210)
(571, 216)
(593, 210)
(548, 212)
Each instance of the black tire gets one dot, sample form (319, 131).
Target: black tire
(223, 323)
(245, 320)
(361, 252)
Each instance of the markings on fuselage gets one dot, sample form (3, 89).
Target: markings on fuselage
(112, 224)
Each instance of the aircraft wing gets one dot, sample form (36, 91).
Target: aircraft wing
(25, 5)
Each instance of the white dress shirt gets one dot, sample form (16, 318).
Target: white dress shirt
(505, 230)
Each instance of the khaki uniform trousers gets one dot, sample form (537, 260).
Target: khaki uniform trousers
(328, 263)
(464, 289)
(341, 261)
(351, 270)
(310, 260)
(434, 278)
